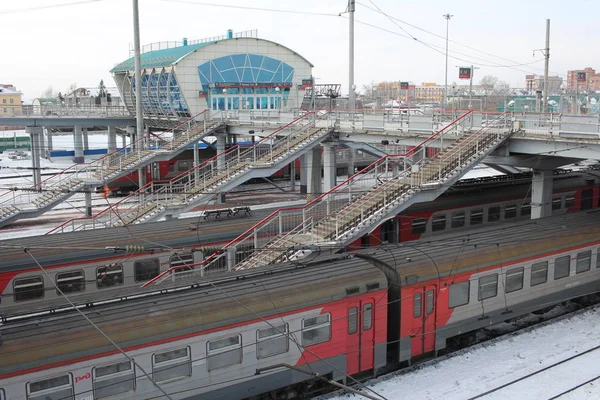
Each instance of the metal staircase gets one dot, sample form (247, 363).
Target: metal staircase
(216, 175)
(361, 203)
(80, 177)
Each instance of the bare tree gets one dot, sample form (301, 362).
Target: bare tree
(49, 93)
(496, 91)
(72, 88)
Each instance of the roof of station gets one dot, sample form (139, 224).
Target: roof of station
(171, 56)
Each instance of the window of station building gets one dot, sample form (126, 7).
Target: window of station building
(539, 273)
(222, 353)
(417, 305)
(113, 379)
(438, 222)
(557, 203)
(514, 280)
(57, 388)
(476, 216)
(146, 270)
(352, 320)
(70, 282)
(459, 294)
(458, 219)
(494, 214)
(28, 288)
(272, 341)
(419, 226)
(12, 101)
(367, 316)
(488, 287)
(584, 261)
(510, 211)
(526, 209)
(569, 201)
(316, 329)
(109, 276)
(170, 365)
(562, 266)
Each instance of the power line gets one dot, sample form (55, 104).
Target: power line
(250, 8)
(27, 9)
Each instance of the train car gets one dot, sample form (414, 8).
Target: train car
(266, 332)
(103, 262)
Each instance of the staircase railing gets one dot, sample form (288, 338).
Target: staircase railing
(199, 180)
(73, 177)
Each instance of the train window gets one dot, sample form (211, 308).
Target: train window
(562, 265)
(477, 216)
(171, 365)
(367, 316)
(598, 258)
(514, 280)
(28, 288)
(186, 260)
(372, 286)
(146, 270)
(494, 214)
(539, 273)
(417, 305)
(510, 211)
(70, 282)
(171, 167)
(352, 320)
(438, 222)
(569, 201)
(419, 226)
(182, 165)
(109, 276)
(488, 287)
(459, 294)
(57, 388)
(458, 219)
(316, 329)
(113, 379)
(352, 290)
(429, 299)
(584, 261)
(526, 209)
(557, 203)
(272, 341)
(224, 352)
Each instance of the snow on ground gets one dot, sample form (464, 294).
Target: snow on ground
(490, 365)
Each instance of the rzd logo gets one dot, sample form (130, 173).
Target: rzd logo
(82, 377)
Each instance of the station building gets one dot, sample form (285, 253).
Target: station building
(233, 72)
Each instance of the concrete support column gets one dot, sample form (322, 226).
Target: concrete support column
(49, 140)
(293, 176)
(328, 167)
(78, 145)
(131, 133)
(88, 201)
(303, 173)
(86, 142)
(112, 139)
(313, 178)
(196, 161)
(35, 134)
(541, 193)
(220, 149)
(351, 164)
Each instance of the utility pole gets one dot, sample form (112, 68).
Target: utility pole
(351, 87)
(139, 117)
(471, 88)
(445, 102)
(547, 54)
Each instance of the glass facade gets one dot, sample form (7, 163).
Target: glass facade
(245, 82)
(161, 95)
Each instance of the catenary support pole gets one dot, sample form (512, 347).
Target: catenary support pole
(546, 67)
(139, 117)
(351, 87)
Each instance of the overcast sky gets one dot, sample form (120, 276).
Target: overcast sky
(42, 45)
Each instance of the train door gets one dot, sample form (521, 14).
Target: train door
(423, 324)
(587, 199)
(155, 171)
(360, 342)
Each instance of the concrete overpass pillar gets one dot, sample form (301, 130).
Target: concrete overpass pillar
(88, 201)
(351, 164)
(328, 167)
(221, 139)
(541, 193)
(49, 140)
(78, 145)
(196, 161)
(293, 176)
(86, 142)
(112, 138)
(313, 177)
(303, 173)
(35, 134)
(131, 133)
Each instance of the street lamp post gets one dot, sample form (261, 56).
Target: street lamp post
(445, 102)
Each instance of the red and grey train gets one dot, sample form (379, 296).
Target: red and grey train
(235, 335)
